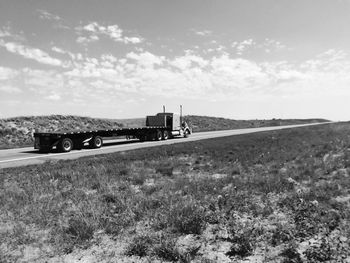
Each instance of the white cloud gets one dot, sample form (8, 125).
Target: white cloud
(93, 27)
(331, 56)
(187, 61)
(191, 76)
(328, 61)
(270, 45)
(203, 32)
(9, 89)
(108, 60)
(8, 76)
(114, 32)
(58, 50)
(243, 45)
(88, 39)
(45, 15)
(133, 40)
(109, 57)
(149, 74)
(7, 73)
(4, 32)
(31, 53)
(146, 59)
(290, 75)
(43, 82)
(267, 45)
(72, 56)
(54, 97)
(57, 21)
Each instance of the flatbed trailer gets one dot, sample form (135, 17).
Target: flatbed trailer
(162, 126)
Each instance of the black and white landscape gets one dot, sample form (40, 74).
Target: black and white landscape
(254, 166)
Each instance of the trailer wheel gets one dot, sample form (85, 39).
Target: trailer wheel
(159, 135)
(65, 145)
(165, 135)
(96, 142)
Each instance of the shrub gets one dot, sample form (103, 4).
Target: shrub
(187, 218)
(165, 170)
(319, 252)
(19, 236)
(307, 216)
(124, 172)
(306, 219)
(79, 229)
(116, 213)
(241, 235)
(241, 246)
(167, 250)
(140, 246)
(138, 179)
(291, 255)
(281, 235)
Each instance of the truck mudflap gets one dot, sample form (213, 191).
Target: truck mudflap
(36, 143)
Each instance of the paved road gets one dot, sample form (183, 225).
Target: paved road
(26, 156)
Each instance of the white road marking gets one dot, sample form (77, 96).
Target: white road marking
(57, 154)
(73, 152)
(21, 159)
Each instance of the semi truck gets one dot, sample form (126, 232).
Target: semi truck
(161, 126)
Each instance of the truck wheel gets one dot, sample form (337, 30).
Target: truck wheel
(159, 135)
(65, 145)
(165, 135)
(96, 142)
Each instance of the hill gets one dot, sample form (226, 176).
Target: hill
(206, 123)
(18, 131)
(132, 123)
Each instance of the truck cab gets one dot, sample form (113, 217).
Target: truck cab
(172, 121)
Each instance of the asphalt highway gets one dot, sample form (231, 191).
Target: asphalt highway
(27, 156)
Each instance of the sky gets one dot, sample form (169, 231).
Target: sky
(239, 59)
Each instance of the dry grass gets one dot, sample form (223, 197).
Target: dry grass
(279, 196)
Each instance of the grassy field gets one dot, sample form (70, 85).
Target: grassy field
(18, 131)
(281, 196)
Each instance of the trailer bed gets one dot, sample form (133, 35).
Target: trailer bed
(103, 132)
(67, 140)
